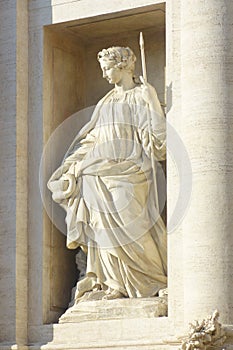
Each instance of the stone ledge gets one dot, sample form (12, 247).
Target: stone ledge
(103, 347)
(124, 308)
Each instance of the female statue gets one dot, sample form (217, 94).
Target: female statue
(107, 187)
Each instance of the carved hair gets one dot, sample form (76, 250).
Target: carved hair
(123, 57)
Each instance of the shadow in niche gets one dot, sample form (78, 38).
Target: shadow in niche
(66, 92)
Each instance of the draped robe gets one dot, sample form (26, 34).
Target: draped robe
(107, 187)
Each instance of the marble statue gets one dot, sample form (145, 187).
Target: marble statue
(108, 189)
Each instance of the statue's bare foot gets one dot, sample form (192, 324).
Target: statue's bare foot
(115, 294)
(97, 287)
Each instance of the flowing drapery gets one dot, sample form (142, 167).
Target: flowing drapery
(108, 189)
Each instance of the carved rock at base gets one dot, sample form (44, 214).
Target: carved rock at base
(124, 308)
(204, 334)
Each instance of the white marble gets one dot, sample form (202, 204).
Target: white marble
(117, 309)
(120, 260)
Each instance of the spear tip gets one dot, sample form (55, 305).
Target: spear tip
(141, 40)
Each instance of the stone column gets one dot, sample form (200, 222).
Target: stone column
(13, 172)
(207, 132)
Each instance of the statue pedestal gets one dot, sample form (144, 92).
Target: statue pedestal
(124, 308)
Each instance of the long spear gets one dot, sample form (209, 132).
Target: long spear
(143, 58)
(144, 74)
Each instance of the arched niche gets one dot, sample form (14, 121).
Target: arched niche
(73, 81)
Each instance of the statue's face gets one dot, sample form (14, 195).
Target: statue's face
(112, 73)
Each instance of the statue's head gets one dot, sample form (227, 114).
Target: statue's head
(121, 59)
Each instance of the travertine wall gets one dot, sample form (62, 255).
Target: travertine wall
(8, 168)
(199, 94)
(13, 171)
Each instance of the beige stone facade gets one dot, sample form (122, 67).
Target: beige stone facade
(48, 71)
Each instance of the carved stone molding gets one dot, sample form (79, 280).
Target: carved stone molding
(204, 334)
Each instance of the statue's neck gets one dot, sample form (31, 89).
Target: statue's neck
(125, 84)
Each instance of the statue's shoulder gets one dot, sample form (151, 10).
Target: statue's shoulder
(138, 94)
(138, 90)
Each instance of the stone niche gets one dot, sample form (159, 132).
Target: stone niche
(73, 81)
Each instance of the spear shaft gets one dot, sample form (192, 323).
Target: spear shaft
(143, 58)
(150, 114)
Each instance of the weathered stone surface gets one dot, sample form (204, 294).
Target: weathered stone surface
(115, 309)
